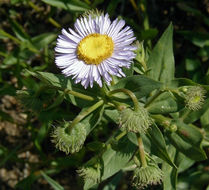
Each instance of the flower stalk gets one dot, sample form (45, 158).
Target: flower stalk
(129, 93)
(84, 114)
(141, 151)
(79, 95)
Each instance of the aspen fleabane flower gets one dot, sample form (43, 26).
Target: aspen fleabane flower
(95, 49)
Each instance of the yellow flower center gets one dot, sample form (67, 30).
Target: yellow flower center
(195, 99)
(95, 48)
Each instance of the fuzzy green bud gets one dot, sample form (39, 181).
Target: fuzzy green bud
(94, 13)
(135, 121)
(140, 52)
(69, 143)
(173, 128)
(91, 171)
(149, 175)
(194, 97)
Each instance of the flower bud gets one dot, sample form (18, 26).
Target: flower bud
(91, 171)
(135, 121)
(69, 143)
(149, 175)
(140, 52)
(173, 128)
(194, 97)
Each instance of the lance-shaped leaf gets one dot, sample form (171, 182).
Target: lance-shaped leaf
(161, 59)
(183, 143)
(158, 145)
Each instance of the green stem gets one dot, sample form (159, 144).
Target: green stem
(136, 9)
(83, 114)
(185, 114)
(162, 120)
(53, 22)
(17, 41)
(79, 95)
(141, 151)
(143, 6)
(122, 134)
(67, 91)
(128, 92)
(153, 98)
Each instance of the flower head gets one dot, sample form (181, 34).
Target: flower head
(97, 48)
(69, 143)
(149, 175)
(195, 97)
(135, 121)
(91, 171)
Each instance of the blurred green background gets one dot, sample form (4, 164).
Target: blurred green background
(28, 32)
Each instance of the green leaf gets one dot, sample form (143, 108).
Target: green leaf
(195, 115)
(59, 99)
(204, 119)
(161, 59)
(183, 162)
(192, 64)
(165, 103)
(189, 133)
(72, 5)
(197, 38)
(27, 182)
(189, 150)
(10, 154)
(19, 30)
(113, 184)
(92, 120)
(111, 115)
(95, 146)
(112, 5)
(186, 82)
(158, 145)
(54, 184)
(149, 34)
(61, 82)
(115, 160)
(170, 177)
(43, 40)
(140, 85)
(42, 132)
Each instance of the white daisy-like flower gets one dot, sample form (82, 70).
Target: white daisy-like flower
(97, 48)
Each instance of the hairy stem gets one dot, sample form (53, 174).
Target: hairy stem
(141, 151)
(129, 93)
(185, 114)
(79, 95)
